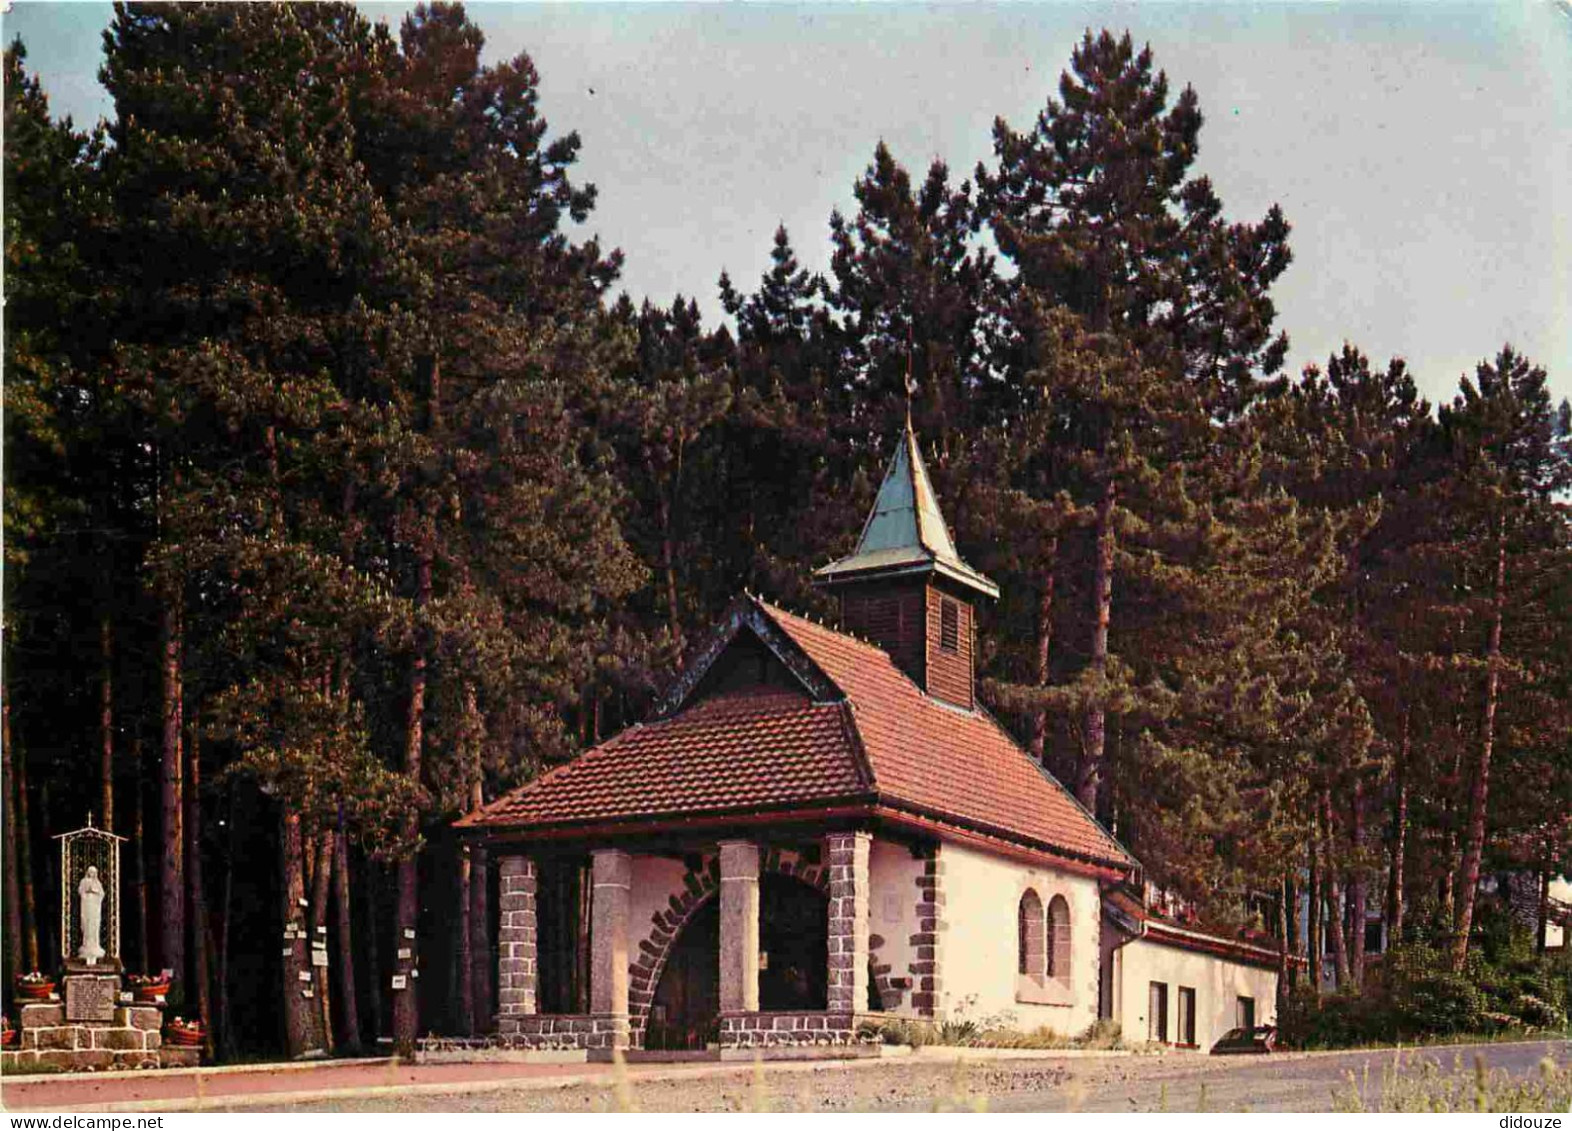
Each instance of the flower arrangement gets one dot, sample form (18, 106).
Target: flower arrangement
(150, 989)
(8, 1035)
(35, 986)
(181, 1033)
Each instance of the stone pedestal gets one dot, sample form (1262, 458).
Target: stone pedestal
(130, 1037)
(739, 926)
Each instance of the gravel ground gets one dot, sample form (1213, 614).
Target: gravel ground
(1285, 1082)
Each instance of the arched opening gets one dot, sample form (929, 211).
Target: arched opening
(1059, 940)
(1029, 934)
(793, 961)
(685, 1012)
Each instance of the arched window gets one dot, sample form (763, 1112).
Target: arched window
(1059, 940)
(1030, 937)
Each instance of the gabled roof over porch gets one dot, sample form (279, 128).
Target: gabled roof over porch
(830, 727)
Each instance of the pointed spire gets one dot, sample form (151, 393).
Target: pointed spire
(905, 532)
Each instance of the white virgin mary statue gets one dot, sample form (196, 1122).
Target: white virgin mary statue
(91, 893)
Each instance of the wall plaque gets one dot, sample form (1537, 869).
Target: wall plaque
(90, 998)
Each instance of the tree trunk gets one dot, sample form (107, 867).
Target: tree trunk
(1096, 715)
(1335, 909)
(171, 886)
(369, 884)
(24, 864)
(668, 565)
(1039, 735)
(106, 726)
(406, 1002)
(1479, 793)
(1296, 947)
(466, 955)
(12, 893)
(321, 887)
(348, 1012)
(1284, 966)
(1395, 903)
(299, 1035)
(480, 937)
(1313, 927)
(1356, 884)
(226, 1029)
(144, 953)
(196, 896)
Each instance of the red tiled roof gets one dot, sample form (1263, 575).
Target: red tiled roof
(766, 747)
(749, 749)
(944, 760)
(1155, 927)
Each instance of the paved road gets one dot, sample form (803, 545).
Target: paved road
(1293, 1082)
(1290, 1082)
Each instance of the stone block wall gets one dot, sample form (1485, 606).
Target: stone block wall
(517, 972)
(927, 941)
(568, 1031)
(847, 859)
(133, 1039)
(777, 1030)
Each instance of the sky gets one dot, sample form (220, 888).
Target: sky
(1422, 151)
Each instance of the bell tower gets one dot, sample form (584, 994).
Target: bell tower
(905, 588)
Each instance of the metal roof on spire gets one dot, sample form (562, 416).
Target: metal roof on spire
(905, 532)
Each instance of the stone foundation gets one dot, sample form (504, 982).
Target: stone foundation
(132, 1038)
(779, 1029)
(565, 1031)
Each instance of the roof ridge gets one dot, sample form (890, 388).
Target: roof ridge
(776, 610)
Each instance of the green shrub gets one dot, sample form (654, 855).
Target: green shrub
(1413, 995)
(1438, 1003)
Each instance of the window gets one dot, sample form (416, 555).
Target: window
(949, 626)
(1244, 1013)
(1372, 938)
(1029, 944)
(1187, 1016)
(1157, 1013)
(1058, 966)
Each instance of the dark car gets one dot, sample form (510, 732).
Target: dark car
(1262, 1038)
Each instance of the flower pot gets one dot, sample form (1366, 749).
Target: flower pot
(35, 991)
(184, 1038)
(154, 994)
(8, 1037)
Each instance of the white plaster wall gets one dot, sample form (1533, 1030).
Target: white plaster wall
(1218, 984)
(892, 910)
(982, 895)
(1560, 888)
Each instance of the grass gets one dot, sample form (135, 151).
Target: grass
(1423, 1086)
(1516, 1036)
(992, 1033)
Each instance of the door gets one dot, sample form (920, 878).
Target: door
(1157, 1013)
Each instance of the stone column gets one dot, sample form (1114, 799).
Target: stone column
(739, 926)
(846, 856)
(927, 941)
(611, 877)
(516, 943)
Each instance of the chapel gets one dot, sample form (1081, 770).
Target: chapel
(815, 827)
